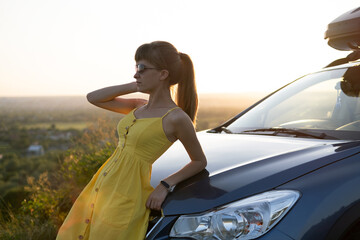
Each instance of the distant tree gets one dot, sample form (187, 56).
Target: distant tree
(52, 127)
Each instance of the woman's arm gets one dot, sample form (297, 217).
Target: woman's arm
(183, 130)
(107, 98)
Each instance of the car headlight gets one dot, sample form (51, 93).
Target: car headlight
(248, 218)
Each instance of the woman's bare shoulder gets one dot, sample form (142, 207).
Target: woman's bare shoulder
(178, 117)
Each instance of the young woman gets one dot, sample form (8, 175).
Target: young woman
(116, 202)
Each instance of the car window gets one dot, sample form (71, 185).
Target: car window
(328, 100)
(310, 108)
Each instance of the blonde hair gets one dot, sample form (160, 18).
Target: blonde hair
(164, 55)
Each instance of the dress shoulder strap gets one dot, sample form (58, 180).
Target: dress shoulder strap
(169, 112)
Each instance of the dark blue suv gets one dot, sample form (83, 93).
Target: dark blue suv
(286, 168)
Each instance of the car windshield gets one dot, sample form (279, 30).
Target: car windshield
(325, 103)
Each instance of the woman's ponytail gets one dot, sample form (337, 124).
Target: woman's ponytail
(186, 95)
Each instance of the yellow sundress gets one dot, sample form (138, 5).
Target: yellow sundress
(112, 205)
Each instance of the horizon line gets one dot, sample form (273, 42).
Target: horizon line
(80, 95)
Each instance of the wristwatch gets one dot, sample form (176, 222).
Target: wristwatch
(167, 186)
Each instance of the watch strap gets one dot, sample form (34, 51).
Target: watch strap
(167, 186)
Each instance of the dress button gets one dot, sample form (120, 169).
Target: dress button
(127, 127)
(87, 221)
(96, 189)
(81, 237)
(104, 174)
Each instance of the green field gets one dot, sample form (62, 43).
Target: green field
(58, 125)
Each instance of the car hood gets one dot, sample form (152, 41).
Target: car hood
(242, 165)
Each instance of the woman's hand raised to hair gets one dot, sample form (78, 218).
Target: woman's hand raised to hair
(109, 93)
(157, 197)
(110, 98)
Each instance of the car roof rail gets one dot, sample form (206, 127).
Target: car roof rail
(353, 56)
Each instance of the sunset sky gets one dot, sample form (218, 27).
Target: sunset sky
(71, 47)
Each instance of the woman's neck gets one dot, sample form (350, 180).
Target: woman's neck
(160, 99)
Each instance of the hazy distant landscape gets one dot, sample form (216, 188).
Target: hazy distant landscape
(75, 112)
(51, 146)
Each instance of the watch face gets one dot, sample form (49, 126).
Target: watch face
(171, 189)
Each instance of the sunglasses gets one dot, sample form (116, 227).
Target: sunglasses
(140, 68)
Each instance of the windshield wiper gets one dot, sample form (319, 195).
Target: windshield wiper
(219, 130)
(298, 133)
(224, 129)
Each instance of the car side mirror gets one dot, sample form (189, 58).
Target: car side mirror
(350, 84)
